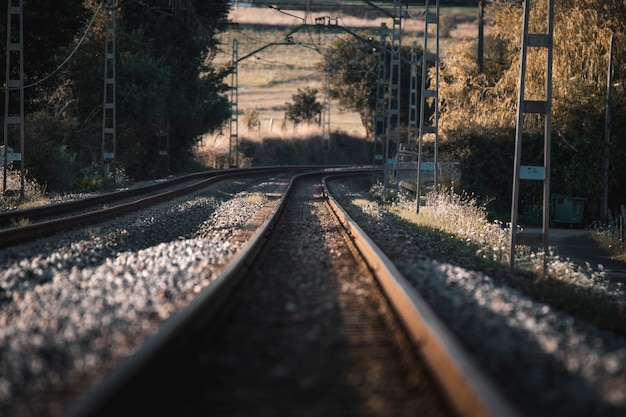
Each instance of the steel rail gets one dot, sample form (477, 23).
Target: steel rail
(33, 213)
(471, 391)
(181, 327)
(32, 231)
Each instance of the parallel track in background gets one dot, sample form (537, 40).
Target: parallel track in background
(44, 220)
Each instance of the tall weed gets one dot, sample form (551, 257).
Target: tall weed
(465, 218)
(34, 193)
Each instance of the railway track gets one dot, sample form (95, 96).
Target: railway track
(19, 226)
(73, 305)
(298, 325)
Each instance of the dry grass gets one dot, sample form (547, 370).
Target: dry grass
(608, 238)
(213, 149)
(463, 217)
(34, 194)
(256, 198)
(270, 77)
(460, 223)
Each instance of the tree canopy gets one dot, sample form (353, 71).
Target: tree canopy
(354, 76)
(165, 84)
(484, 105)
(305, 107)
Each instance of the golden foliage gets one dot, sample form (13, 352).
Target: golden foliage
(472, 102)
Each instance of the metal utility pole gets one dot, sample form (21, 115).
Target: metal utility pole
(393, 99)
(607, 135)
(14, 91)
(326, 105)
(381, 88)
(233, 155)
(108, 106)
(433, 94)
(413, 129)
(543, 107)
(481, 37)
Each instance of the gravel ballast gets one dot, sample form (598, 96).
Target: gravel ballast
(72, 306)
(547, 362)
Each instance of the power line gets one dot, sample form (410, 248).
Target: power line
(66, 60)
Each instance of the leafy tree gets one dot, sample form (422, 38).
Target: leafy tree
(166, 59)
(50, 27)
(305, 107)
(354, 76)
(163, 77)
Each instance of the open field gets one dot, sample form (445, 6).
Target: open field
(271, 71)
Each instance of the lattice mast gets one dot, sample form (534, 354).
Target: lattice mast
(326, 104)
(393, 98)
(381, 92)
(108, 106)
(541, 107)
(412, 130)
(429, 91)
(233, 158)
(14, 92)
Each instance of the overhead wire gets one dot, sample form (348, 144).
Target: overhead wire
(66, 60)
(505, 2)
(274, 63)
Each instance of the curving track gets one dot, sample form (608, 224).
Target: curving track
(45, 220)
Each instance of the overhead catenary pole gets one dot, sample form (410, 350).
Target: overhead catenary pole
(14, 91)
(381, 88)
(413, 104)
(233, 156)
(393, 97)
(108, 107)
(481, 37)
(433, 94)
(542, 107)
(326, 105)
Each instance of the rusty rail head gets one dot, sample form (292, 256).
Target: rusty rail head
(175, 332)
(465, 383)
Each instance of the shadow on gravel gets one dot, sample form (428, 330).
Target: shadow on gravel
(586, 303)
(522, 345)
(501, 327)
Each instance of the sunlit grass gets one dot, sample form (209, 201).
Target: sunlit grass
(471, 240)
(608, 238)
(463, 217)
(256, 198)
(34, 193)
